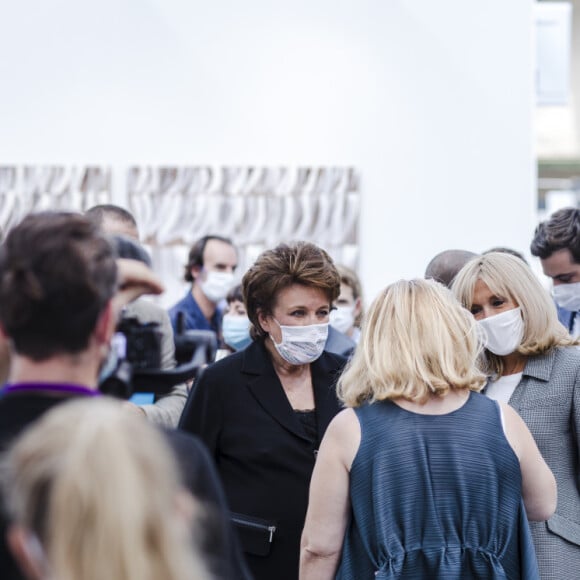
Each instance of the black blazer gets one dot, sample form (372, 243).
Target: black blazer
(218, 543)
(239, 409)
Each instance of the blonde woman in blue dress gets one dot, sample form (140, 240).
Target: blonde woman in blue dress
(422, 476)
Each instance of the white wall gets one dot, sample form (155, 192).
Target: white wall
(575, 70)
(557, 114)
(430, 100)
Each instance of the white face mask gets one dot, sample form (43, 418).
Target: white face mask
(217, 285)
(567, 296)
(342, 318)
(301, 344)
(503, 332)
(35, 552)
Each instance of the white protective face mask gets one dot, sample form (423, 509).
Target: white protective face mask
(217, 285)
(342, 318)
(35, 552)
(503, 332)
(301, 344)
(567, 296)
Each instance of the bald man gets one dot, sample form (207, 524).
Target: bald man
(445, 266)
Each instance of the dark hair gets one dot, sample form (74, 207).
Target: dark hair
(287, 264)
(560, 232)
(195, 257)
(130, 249)
(98, 214)
(235, 294)
(445, 265)
(57, 273)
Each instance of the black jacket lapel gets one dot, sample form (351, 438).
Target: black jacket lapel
(265, 386)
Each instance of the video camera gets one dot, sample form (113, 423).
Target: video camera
(136, 361)
(134, 365)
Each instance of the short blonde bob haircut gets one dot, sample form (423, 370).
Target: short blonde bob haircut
(416, 341)
(100, 490)
(509, 277)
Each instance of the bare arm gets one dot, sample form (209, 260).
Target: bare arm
(329, 503)
(538, 483)
(134, 279)
(167, 410)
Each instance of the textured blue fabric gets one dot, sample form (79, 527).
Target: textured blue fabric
(566, 317)
(194, 317)
(436, 497)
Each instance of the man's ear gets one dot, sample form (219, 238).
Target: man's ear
(357, 307)
(27, 552)
(195, 272)
(106, 323)
(5, 355)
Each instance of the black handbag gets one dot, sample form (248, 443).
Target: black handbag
(256, 535)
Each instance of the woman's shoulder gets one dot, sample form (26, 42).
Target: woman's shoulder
(568, 353)
(564, 357)
(231, 361)
(560, 365)
(345, 419)
(253, 360)
(223, 371)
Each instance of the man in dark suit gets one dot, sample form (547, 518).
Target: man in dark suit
(557, 243)
(58, 306)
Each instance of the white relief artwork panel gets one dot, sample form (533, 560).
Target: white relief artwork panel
(257, 207)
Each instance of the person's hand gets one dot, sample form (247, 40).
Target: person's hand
(135, 279)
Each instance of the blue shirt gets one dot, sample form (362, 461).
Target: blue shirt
(194, 317)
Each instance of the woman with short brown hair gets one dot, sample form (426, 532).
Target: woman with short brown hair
(262, 411)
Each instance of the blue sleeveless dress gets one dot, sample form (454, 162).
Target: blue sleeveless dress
(436, 497)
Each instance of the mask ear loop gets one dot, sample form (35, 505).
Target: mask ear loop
(35, 552)
(481, 335)
(281, 332)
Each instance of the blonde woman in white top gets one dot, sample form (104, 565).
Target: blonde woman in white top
(531, 362)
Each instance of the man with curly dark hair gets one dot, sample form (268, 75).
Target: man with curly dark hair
(557, 243)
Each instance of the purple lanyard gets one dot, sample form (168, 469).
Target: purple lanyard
(47, 388)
